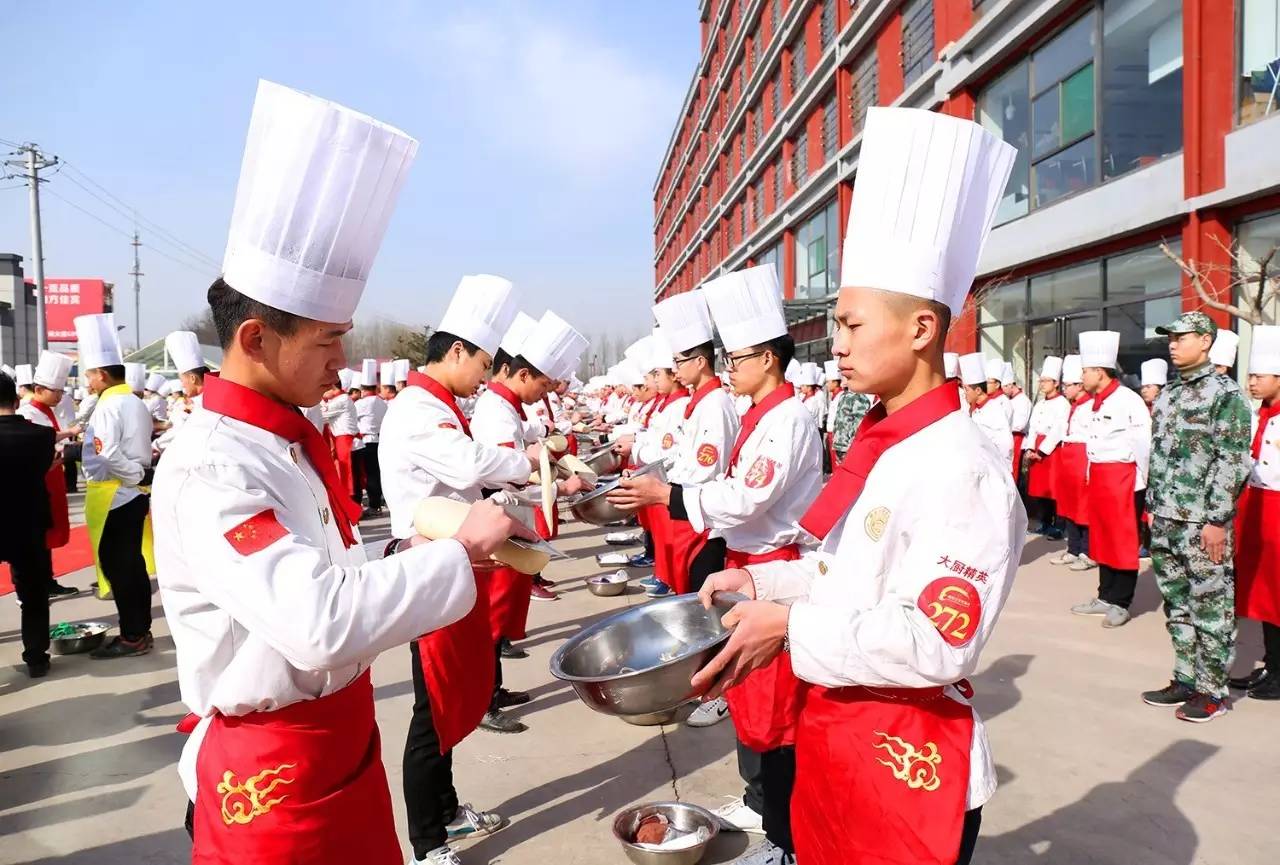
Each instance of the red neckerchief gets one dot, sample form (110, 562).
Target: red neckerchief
(698, 396)
(551, 415)
(1265, 414)
(673, 397)
(442, 393)
(779, 394)
(505, 392)
(982, 400)
(877, 433)
(249, 406)
(1106, 392)
(1084, 398)
(47, 412)
(648, 412)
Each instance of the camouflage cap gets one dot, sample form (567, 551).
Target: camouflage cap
(1189, 322)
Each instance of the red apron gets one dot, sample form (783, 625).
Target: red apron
(682, 547)
(658, 520)
(342, 459)
(457, 665)
(766, 705)
(1258, 555)
(1069, 470)
(508, 603)
(882, 777)
(1040, 473)
(1113, 525)
(546, 532)
(1018, 439)
(55, 484)
(301, 784)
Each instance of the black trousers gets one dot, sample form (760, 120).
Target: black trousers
(69, 467)
(1077, 537)
(120, 553)
(1116, 586)
(1270, 647)
(430, 799)
(648, 544)
(1046, 510)
(497, 675)
(770, 778)
(969, 835)
(32, 571)
(709, 560)
(357, 469)
(372, 475)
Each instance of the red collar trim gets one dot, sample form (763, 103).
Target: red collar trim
(755, 414)
(47, 412)
(699, 395)
(1106, 392)
(442, 393)
(506, 393)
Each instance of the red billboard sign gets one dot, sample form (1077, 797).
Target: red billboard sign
(66, 298)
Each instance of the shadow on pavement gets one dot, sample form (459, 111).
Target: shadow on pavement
(114, 764)
(995, 690)
(97, 805)
(89, 716)
(171, 846)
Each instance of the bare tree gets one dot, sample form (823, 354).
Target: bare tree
(201, 324)
(1255, 283)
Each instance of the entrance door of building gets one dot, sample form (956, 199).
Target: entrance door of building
(1057, 336)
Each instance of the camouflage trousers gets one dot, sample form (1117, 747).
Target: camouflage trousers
(1199, 604)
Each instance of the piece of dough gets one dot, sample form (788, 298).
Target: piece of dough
(438, 517)
(557, 443)
(578, 467)
(548, 487)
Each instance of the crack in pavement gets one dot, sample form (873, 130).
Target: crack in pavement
(666, 753)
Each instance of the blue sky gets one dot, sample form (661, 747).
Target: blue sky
(542, 124)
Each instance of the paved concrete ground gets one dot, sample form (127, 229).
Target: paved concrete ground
(1089, 774)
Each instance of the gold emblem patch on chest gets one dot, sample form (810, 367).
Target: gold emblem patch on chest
(876, 522)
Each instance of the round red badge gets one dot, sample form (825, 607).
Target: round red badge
(97, 445)
(667, 441)
(761, 473)
(954, 607)
(707, 455)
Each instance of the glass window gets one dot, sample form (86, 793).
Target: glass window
(798, 73)
(1065, 172)
(818, 253)
(775, 15)
(1259, 58)
(1005, 302)
(830, 128)
(917, 39)
(1065, 290)
(1142, 71)
(1003, 110)
(772, 255)
(757, 126)
(827, 29)
(1255, 239)
(866, 85)
(777, 183)
(1064, 53)
(800, 159)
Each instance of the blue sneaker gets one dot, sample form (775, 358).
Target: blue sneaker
(640, 560)
(1144, 553)
(661, 590)
(649, 582)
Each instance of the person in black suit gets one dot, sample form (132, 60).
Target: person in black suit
(26, 452)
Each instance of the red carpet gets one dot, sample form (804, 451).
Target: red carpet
(75, 555)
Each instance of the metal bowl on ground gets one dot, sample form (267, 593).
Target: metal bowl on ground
(639, 661)
(88, 636)
(606, 586)
(604, 461)
(682, 815)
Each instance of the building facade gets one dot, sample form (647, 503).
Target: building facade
(18, 340)
(1138, 123)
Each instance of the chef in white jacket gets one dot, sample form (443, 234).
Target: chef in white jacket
(921, 527)
(1045, 431)
(275, 611)
(988, 413)
(370, 410)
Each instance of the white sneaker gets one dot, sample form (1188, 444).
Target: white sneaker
(1064, 558)
(764, 853)
(710, 713)
(470, 823)
(738, 816)
(1083, 563)
(613, 559)
(439, 856)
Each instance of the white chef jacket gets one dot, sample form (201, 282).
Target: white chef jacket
(315, 414)
(941, 503)
(183, 408)
(1078, 422)
(1265, 473)
(993, 420)
(1120, 432)
(817, 406)
(658, 442)
(1004, 404)
(296, 620)
(423, 453)
(87, 406)
(157, 406)
(369, 413)
(340, 414)
(742, 404)
(118, 445)
(1048, 419)
(705, 440)
(615, 408)
(1019, 412)
(777, 477)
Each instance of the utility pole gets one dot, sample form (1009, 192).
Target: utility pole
(137, 292)
(33, 161)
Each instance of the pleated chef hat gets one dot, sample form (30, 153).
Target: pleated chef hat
(1072, 369)
(747, 307)
(24, 375)
(7, 370)
(1099, 348)
(135, 375)
(369, 372)
(995, 369)
(1223, 350)
(1051, 368)
(97, 341)
(812, 375)
(661, 355)
(154, 381)
(973, 371)
(924, 200)
(482, 308)
(184, 350)
(629, 373)
(639, 351)
(521, 327)
(1155, 371)
(554, 346)
(832, 369)
(1006, 375)
(951, 364)
(1264, 350)
(317, 187)
(387, 373)
(794, 373)
(345, 378)
(686, 320)
(51, 371)
(401, 369)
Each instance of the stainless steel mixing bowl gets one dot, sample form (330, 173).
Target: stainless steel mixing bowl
(682, 815)
(606, 588)
(639, 661)
(604, 461)
(89, 636)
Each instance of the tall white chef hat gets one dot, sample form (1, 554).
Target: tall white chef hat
(482, 308)
(1223, 350)
(7, 370)
(923, 203)
(629, 373)
(99, 345)
(686, 320)
(1072, 369)
(1155, 371)
(345, 377)
(369, 372)
(639, 351)
(812, 375)
(51, 371)
(747, 307)
(973, 370)
(183, 348)
(154, 381)
(514, 339)
(317, 187)
(387, 373)
(554, 346)
(1264, 350)
(661, 355)
(832, 370)
(401, 368)
(1007, 375)
(24, 375)
(135, 375)
(1099, 348)
(995, 368)
(1051, 368)
(951, 364)
(794, 373)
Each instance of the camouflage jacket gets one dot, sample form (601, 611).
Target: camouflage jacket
(852, 409)
(1199, 448)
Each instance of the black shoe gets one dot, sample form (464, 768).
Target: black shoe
(505, 699)
(1201, 708)
(1054, 534)
(370, 513)
(510, 652)
(38, 670)
(57, 590)
(1245, 683)
(1175, 694)
(122, 648)
(1266, 689)
(496, 721)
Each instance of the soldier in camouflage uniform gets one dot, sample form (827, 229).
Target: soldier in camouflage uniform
(1199, 464)
(849, 414)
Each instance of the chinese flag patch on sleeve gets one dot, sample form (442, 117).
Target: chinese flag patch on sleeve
(256, 533)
